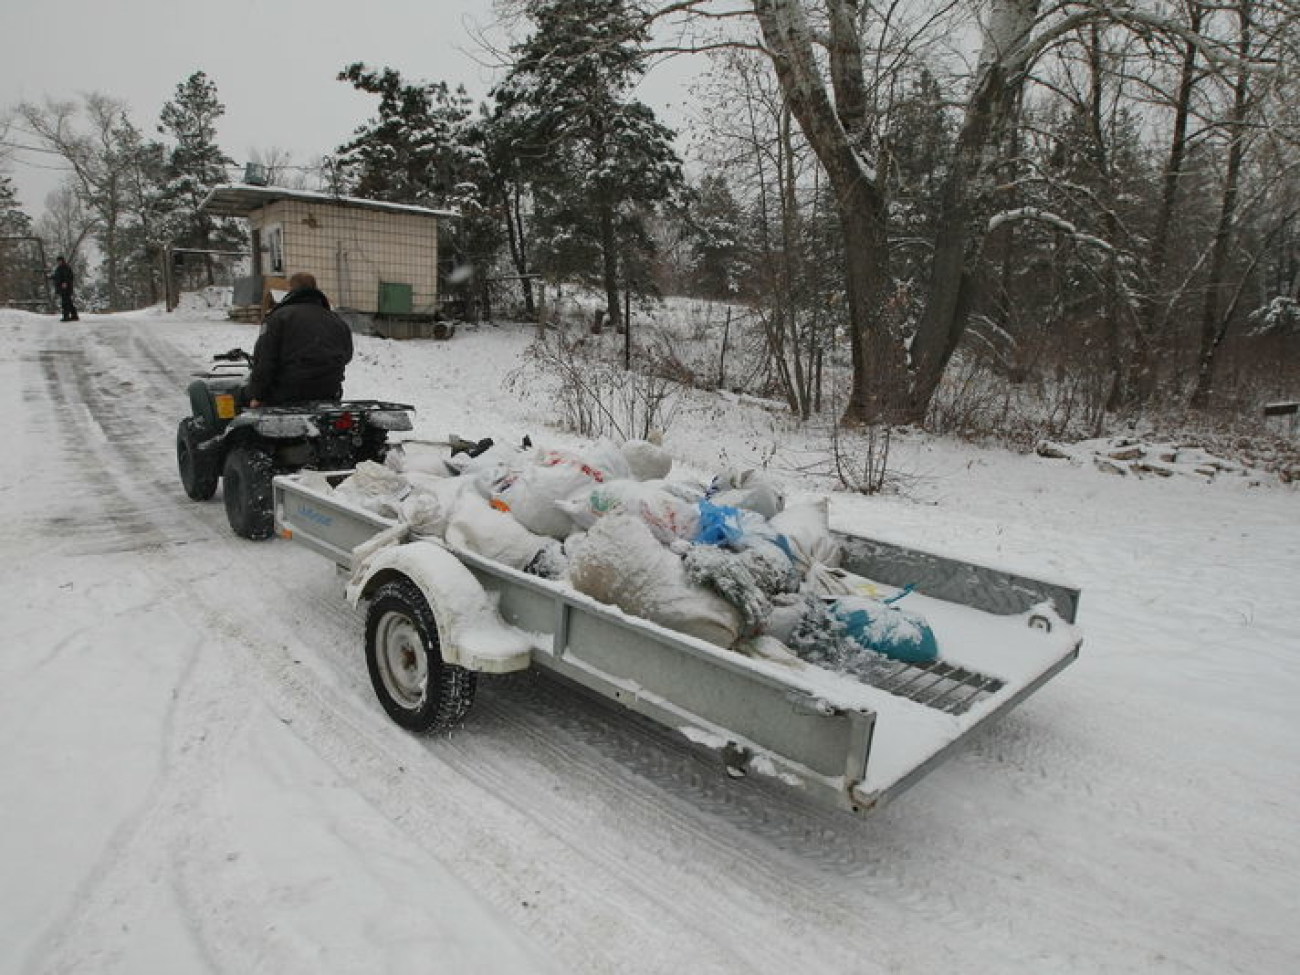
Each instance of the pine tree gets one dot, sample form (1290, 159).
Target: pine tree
(425, 147)
(914, 155)
(717, 246)
(416, 149)
(193, 166)
(13, 221)
(598, 160)
(21, 280)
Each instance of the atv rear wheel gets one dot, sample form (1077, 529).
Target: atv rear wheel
(246, 490)
(199, 469)
(374, 446)
(404, 656)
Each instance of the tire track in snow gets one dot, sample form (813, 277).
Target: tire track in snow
(91, 443)
(154, 523)
(767, 846)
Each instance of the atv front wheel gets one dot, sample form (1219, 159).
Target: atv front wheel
(404, 656)
(198, 467)
(246, 489)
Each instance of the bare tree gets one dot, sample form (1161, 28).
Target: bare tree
(102, 155)
(754, 137)
(65, 224)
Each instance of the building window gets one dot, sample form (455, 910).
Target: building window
(275, 248)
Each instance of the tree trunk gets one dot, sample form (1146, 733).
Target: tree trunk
(1217, 287)
(893, 382)
(609, 267)
(989, 112)
(877, 353)
(518, 249)
(1152, 310)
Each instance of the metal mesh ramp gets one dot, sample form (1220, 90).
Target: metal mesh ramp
(939, 685)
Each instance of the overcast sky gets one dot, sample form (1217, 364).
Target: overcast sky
(274, 64)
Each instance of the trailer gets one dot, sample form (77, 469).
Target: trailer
(438, 616)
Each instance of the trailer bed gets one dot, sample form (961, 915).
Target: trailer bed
(850, 741)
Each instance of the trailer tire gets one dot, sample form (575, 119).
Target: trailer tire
(417, 688)
(199, 469)
(247, 492)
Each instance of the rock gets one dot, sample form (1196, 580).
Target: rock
(1152, 469)
(1106, 467)
(1127, 453)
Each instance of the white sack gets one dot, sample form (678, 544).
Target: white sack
(535, 496)
(751, 490)
(807, 530)
(374, 487)
(476, 525)
(761, 498)
(619, 562)
(668, 516)
(647, 461)
(601, 461)
(408, 456)
(428, 508)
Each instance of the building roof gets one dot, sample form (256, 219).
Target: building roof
(241, 199)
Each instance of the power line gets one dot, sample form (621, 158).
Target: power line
(18, 145)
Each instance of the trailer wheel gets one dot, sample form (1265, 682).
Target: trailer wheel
(247, 492)
(198, 468)
(417, 689)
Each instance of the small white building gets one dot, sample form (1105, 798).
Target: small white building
(368, 256)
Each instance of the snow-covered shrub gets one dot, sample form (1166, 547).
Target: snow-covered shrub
(583, 376)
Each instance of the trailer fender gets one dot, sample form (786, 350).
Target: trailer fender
(470, 629)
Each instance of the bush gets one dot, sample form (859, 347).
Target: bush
(583, 375)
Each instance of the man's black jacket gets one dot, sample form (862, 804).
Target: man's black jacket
(62, 278)
(301, 352)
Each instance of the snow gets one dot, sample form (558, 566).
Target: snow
(196, 776)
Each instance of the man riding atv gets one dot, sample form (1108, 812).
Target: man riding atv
(302, 350)
(287, 414)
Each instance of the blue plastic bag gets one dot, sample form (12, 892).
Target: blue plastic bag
(886, 630)
(719, 524)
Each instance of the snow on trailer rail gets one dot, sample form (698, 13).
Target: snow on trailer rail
(852, 742)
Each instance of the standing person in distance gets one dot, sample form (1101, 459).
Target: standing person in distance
(63, 278)
(302, 351)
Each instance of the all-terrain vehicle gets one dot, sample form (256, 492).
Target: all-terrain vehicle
(242, 448)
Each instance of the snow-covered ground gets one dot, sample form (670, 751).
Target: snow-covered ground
(196, 777)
